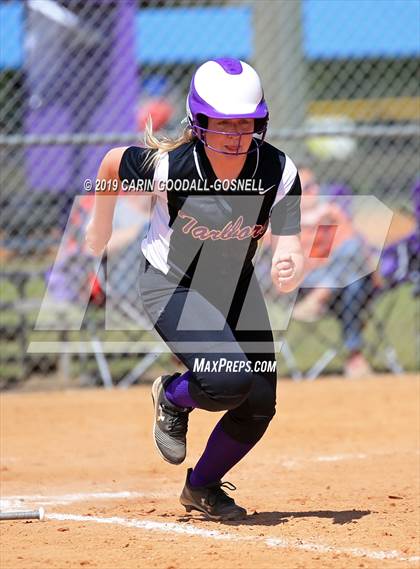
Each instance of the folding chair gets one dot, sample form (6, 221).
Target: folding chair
(398, 266)
(333, 347)
(372, 292)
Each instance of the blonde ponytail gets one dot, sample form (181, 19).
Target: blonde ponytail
(158, 146)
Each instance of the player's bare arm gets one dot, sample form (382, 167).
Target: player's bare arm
(287, 268)
(99, 229)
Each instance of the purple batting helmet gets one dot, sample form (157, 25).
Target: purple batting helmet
(227, 89)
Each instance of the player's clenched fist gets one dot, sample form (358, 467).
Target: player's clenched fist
(287, 271)
(97, 236)
(283, 270)
(285, 267)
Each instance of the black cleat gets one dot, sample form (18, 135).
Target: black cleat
(171, 423)
(212, 500)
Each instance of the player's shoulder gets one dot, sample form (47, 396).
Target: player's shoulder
(271, 150)
(272, 155)
(134, 154)
(185, 149)
(135, 151)
(181, 160)
(133, 163)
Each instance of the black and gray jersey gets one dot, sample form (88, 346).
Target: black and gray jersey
(195, 214)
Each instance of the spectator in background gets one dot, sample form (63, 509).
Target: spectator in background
(157, 102)
(335, 255)
(73, 278)
(400, 259)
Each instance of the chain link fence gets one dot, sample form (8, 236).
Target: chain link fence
(79, 77)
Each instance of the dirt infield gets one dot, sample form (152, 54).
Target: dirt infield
(334, 483)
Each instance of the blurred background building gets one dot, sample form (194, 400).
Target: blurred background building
(80, 76)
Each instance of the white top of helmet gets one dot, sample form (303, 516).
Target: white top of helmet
(229, 94)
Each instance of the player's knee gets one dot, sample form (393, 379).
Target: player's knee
(262, 408)
(262, 401)
(261, 417)
(260, 424)
(247, 429)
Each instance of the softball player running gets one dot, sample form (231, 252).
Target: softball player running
(215, 191)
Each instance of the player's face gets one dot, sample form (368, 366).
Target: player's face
(236, 137)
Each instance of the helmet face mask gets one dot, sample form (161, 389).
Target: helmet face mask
(227, 89)
(235, 139)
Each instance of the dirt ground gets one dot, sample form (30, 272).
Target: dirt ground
(333, 484)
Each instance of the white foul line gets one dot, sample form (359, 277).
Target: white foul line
(11, 502)
(172, 527)
(63, 499)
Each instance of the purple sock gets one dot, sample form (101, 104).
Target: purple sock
(220, 455)
(177, 391)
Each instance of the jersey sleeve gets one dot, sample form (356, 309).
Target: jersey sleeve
(132, 165)
(285, 211)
